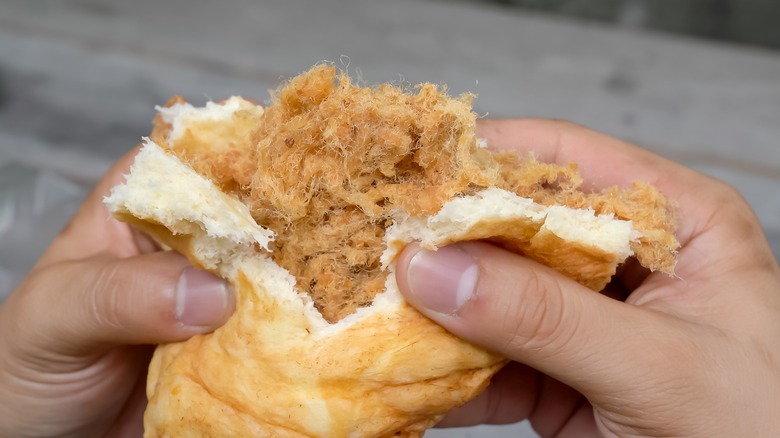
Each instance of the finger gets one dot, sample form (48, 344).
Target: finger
(604, 161)
(630, 276)
(518, 393)
(555, 406)
(510, 397)
(103, 302)
(91, 230)
(534, 315)
(581, 424)
(94, 207)
(709, 212)
(129, 421)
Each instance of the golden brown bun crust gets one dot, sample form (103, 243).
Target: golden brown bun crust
(396, 397)
(264, 374)
(376, 378)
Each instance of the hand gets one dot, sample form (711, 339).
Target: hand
(75, 335)
(695, 354)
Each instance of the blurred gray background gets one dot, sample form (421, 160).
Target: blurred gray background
(697, 81)
(742, 21)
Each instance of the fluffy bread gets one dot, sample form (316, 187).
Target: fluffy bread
(278, 367)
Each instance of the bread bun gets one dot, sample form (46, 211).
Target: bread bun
(296, 358)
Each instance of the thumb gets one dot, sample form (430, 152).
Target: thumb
(531, 314)
(104, 301)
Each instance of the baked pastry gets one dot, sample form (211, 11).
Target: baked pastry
(303, 206)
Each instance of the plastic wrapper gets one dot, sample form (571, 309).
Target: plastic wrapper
(34, 205)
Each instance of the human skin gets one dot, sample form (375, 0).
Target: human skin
(76, 336)
(693, 354)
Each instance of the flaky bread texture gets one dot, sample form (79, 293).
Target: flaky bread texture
(294, 360)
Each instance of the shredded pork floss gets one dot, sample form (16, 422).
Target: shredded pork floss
(329, 162)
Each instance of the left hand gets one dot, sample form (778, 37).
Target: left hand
(77, 334)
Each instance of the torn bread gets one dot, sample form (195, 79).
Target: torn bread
(303, 206)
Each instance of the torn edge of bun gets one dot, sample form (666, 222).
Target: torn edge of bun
(180, 114)
(163, 191)
(222, 236)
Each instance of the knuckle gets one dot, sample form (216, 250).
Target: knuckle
(537, 316)
(22, 308)
(102, 299)
(735, 211)
(565, 124)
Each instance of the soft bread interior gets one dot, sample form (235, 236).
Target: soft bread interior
(584, 246)
(188, 212)
(164, 192)
(214, 119)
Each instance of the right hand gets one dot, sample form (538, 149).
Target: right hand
(694, 354)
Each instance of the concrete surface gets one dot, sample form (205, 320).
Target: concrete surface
(79, 80)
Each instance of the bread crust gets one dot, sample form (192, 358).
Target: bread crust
(366, 381)
(390, 373)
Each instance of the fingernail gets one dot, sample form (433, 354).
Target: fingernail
(443, 280)
(201, 298)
